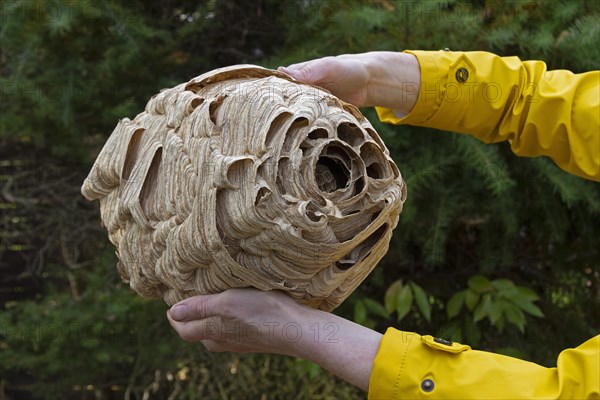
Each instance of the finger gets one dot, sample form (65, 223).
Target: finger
(301, 64)
(286, 71)
(198, 330)
(193, 308)
(313, 71)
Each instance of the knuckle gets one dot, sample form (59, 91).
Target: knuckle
(305, 72)
(198, 307)
(227, 303)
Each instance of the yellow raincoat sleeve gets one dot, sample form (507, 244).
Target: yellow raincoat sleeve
(539, 112)
(410, 366)
(552, 113)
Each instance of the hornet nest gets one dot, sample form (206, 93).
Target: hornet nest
(244, 177)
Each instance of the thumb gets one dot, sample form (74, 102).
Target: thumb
(298, 74)
(307, 72)
(197, 307)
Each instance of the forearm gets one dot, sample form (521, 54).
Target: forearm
(343, 347)
(394, 80)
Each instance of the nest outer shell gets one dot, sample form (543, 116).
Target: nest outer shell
(244, 177)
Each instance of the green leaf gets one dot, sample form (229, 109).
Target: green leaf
(480, 284)
(471, 299)
(422, 301)
(376, 308)
(455, 304)
(472, 333)
(483, 309)
(360, 312)
(495, 312)
(391, 296)
(531, 309)
(451, 331)
(313, 370)
(404, 301)
(500, 325)
(369, 323)
(309, 368)
(515, 316)
(503, 285)
(527, 293)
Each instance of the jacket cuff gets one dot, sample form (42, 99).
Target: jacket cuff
(444, 91)
(406, 364)
(390, 363)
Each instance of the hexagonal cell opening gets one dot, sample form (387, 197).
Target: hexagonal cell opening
(331, 174)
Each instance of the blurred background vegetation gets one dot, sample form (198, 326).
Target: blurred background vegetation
(498, 252)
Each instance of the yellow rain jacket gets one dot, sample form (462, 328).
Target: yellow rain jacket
(539, 112)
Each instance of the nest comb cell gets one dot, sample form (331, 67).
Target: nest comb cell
(244, 177)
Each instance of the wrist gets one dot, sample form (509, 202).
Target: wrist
(341, 346)
(304, 327)
(394, 80)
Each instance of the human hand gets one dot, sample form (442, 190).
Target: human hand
(381, 78)
(346, 76)
(239, 320)
(248, 320)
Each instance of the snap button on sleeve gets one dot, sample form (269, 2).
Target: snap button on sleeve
(427, 385)
(462, 75)
(444, 345)
(442, 341)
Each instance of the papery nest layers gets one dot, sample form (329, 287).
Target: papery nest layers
(244, 177)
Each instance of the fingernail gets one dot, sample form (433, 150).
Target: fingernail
(179, 312)
(287, 71)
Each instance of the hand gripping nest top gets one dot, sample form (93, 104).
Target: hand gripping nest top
(244, 177)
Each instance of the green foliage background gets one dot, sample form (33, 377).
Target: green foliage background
(493, 250)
